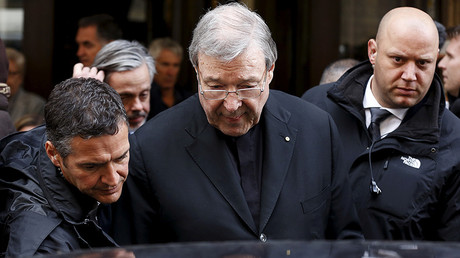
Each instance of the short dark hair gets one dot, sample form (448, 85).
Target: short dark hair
(83, 107)
(107, 28)
(441, 33)
(453, 32)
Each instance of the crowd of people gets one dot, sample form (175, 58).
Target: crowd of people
(370, 154)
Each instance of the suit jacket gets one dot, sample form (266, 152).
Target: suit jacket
(183, 186)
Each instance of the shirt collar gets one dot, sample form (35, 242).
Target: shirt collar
(370, 101)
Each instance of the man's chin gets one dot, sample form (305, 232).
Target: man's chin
(235, 131)
(134, 125)
(108, 199)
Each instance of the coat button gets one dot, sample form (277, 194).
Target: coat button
(287, 139)
(263, 237)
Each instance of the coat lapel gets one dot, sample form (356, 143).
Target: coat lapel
(210, 153)
(279, 142)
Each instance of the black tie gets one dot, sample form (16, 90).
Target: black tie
(377, 116)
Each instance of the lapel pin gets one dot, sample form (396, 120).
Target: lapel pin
(287, 139)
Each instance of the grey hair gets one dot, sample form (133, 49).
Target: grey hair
(83, 107)
(123, 55)
(165, 43)
(227, 31)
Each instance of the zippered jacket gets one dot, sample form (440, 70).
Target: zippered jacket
(417, 166)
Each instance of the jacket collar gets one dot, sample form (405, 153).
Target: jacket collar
(421, 119)
(208, 151)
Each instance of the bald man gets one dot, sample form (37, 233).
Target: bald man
(405, 173)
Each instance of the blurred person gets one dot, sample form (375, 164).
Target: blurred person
(6, 125)
(165, 92)
(237, 161)
(450, 67)
(29, 122)
(128, 68)
(336, 69)
(21, 101)
(93, 33)
(442, 34)
(53, 177)
(402, 143)
(443, 42)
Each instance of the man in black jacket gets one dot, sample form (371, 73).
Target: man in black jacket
(406, 181)
(238, 161)
(53, 178)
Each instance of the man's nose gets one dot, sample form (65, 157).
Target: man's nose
(441, 64)
(80, 51)
(409, 73)
(232, 102)
(110, 177)
(137, 104)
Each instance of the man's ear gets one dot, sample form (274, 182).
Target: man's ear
(372, 50)
(52, 153)
(270, 73)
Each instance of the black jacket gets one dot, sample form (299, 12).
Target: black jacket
(454, 104)
(6, 125)
(183, 185)
(416, 166)
(40, 212)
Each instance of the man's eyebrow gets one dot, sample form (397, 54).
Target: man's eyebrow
(102, 163)
(123, 155)
(218, 80)
(126, 94)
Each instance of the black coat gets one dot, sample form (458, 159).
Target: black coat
(454, 105)
(6, 125)
(183, 186)
(417, 166)
(40, 212)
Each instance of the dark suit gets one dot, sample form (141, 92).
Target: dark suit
(183, 186)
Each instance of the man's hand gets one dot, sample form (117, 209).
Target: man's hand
(87, 72)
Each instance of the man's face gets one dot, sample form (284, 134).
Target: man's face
(167, 65)
(88, 44)
(405, 63)
(98, 166)
(15, 77)
(134, 89)
(234, 116)
(450, 66)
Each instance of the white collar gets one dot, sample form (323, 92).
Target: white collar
(370, 101)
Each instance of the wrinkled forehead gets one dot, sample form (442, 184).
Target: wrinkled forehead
(250, 61)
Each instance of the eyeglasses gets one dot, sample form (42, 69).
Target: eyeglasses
(246, 93)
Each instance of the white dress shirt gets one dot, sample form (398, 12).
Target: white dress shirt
(389, 124)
